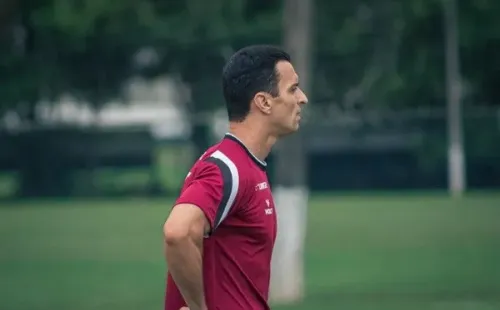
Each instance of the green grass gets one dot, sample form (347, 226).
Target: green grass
(369, 252)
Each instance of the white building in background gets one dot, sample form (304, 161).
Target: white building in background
(156, 103)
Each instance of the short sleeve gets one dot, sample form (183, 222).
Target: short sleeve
(212, 187)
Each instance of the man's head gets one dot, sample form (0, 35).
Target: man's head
(259, 82)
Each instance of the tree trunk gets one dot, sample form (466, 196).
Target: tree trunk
(291, 193)
(456, 156)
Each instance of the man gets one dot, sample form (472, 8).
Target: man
(220, 234)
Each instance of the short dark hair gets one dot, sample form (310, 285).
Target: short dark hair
(250, 70)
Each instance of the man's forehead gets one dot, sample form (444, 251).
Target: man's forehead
(287, 72)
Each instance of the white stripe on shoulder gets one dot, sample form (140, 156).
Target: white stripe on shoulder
(235, 181)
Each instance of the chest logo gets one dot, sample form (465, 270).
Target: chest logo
(268, 210)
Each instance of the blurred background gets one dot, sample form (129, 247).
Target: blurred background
(105, 105)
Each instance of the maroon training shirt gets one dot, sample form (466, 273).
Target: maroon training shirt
(230, 185)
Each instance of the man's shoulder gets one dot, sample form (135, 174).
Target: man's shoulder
(229, 162)
(228, 153)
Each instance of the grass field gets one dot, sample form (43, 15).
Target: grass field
(366, 252)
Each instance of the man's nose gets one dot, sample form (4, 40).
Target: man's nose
(303, 98)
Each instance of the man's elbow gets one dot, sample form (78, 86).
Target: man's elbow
(186, 223)
(175, 234)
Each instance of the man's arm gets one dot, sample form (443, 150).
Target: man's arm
(183, 232)
(207, 199)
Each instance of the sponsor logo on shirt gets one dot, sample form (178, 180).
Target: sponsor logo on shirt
(261, 186)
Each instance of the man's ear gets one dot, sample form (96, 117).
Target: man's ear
(263, 102)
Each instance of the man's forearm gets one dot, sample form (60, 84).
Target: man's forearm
(185, 264)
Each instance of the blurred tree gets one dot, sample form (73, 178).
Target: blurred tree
(7, 7)
(369, 52)
(89, 49)
(480, 43)
(379, 53)
(59, 47)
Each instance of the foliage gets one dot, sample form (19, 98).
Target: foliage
(368, 53)
(378, 53)
(88, 48)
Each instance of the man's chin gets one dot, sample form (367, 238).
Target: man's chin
(296, 127)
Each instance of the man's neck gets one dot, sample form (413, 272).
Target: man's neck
(255, 138)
